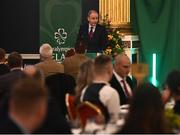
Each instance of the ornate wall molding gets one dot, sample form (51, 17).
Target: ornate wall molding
(118, 12)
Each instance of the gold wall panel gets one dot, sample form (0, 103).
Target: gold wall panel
(118, 11)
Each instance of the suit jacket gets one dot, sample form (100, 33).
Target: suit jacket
(7, 80)
(58, 85)
(72, 64)
(4, 69)
(7, 126)
(55, 122)
(99, 40)
(116, 85)
(50, 67)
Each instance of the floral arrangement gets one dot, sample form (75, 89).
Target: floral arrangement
(174, 119)
(115, 45)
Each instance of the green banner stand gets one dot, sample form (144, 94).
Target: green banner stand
(59, 24)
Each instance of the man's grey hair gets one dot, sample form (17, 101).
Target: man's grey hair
(92, 11)
(46, 51)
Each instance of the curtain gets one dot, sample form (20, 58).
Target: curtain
(157, 22)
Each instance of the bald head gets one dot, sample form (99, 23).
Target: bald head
(120, 58)
(122, 65)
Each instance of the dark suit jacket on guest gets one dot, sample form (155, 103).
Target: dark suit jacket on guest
(55, 122)
(58, 85)
(116, 85)
(99, 40)
(4, 69)
(7, 126)
(7, 80)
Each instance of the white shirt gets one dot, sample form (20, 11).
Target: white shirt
(109, 97)
(121, 83)
(94, 27)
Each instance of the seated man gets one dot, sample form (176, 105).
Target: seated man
(100, 92)
(120, 80)
(72, 63)
(27, 108)
(15, 63)
(48, 65)
(55, 121)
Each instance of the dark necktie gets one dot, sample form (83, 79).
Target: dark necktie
(91, 33)
(125, 88)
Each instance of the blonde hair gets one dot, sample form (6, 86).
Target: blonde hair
(84, 78)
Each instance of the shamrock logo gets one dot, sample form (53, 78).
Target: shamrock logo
(60, 36)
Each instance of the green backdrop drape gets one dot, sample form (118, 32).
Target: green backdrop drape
(157, 22)
(59, 24)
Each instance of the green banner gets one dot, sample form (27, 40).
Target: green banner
(158, 24)
(59, 24)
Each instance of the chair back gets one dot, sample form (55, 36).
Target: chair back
(71, 108)
(140, 71)
(87, 110)
(58, 85)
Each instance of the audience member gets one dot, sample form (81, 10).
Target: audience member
(120, 80)
(6, 81)
(84, 78)
(146, 112)
(15, 61)
(47, 64)
(27, 108)
(58, 85)
(70, 52)
(100, 92)
(3, 64)
(72, 63)
(55, 122)
(173, 89)
(35, 73)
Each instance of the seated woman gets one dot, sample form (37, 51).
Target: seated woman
(85, 77)
(173, 89)
(146, 114)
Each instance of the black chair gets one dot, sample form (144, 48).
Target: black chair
(59, 84)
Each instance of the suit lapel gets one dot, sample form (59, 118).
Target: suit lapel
(129, 81)
(87, 30)
(118, 86)
(96, 31)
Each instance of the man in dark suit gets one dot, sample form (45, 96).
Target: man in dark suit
(15, 62)
(27, 107)
(120, 80)
(47, 64)
(93, 34)
(53, 122)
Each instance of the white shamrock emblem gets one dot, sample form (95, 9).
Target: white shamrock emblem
(60, 36)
